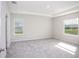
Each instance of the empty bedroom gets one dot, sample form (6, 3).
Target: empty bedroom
(39, 29)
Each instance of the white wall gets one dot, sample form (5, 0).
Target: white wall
(2, 28)
(4, 10)
(58, 29)
(35, 27)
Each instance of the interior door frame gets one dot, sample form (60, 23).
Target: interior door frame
(6, 17)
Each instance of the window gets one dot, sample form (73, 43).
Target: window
(18, 27)
(71, 26)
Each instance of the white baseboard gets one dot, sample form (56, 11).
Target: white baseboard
(29, 39)
(71, 42)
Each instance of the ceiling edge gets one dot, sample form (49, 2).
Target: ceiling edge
(68, 11)
(31, 13)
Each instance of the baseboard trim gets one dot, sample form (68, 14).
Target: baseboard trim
(67, 41)
(30, 39)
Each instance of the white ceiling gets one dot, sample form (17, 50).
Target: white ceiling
(47, 8)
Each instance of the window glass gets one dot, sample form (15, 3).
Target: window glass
(18, 26)
(71, 26)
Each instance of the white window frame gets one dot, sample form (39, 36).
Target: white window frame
(67, 33)
(15, 29)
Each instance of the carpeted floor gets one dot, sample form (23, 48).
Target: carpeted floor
(43, 48)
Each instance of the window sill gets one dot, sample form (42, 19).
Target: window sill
(70, 35)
